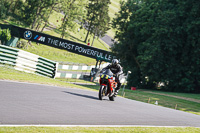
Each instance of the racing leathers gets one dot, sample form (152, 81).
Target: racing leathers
(116, 70)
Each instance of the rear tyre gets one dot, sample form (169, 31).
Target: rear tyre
(102, 91)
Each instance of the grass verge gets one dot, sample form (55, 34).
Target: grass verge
(99, 129)
(8, 73)
(166, 101)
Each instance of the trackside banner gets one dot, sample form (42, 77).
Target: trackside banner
(59, 43)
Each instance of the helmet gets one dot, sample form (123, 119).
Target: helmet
(114, 62)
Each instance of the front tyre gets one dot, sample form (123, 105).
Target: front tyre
(102, 91)
(112, 98)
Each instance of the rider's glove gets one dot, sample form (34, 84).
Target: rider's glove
(115, 75)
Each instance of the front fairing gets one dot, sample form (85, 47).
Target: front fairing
(106, 78)
(106, 73)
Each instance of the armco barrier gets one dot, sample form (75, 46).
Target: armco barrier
(70, 75)
(76, 67)
(28, 62)
(61, 74)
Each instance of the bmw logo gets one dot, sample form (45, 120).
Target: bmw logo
(27, 34)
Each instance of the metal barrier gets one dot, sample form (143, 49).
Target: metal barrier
(79, 67)
(28, 62)
(61, 74)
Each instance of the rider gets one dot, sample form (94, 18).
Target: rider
(116, 69)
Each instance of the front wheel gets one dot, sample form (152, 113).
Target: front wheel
(102, 92)
(112, 98)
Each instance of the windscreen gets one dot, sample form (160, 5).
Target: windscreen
(107, 72)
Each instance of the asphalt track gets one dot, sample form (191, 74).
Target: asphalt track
(108, 40)
(35, 104)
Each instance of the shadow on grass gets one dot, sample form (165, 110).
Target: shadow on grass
(16, 20)
(58, 31)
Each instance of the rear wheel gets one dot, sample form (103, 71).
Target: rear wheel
(102, 92)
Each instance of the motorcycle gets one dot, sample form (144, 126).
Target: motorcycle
(107, 85)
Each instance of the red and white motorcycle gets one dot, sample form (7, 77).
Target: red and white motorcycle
(107, 85)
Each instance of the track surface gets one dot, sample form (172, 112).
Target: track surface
(108, 40)
(23, 103)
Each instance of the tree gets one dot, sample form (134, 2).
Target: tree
(43, 5)
(46, 17)
(3, 9)
(126, 48)
(103, 23)
(163, 37)
(13, 5)
(97, 22)
(34, 10)
(74, 11)
(5, 35)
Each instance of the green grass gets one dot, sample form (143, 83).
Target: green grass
(56, 18)
(166, 101)
(114, 8)
(188, 95)
(99, 130)
(8, 73)
(78, 81)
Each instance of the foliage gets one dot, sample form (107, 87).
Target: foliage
(159, 42)
(14, 6)
(35, 14)
(97, 22)
(5, 35)
(35, 10)
(126, 49)
(3, 10)
(22, 44)
(73, 10)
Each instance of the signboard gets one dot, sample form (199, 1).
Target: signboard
(61, 44)
(56, 42)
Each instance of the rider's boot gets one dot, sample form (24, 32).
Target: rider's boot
(116, 92)
(117, 89)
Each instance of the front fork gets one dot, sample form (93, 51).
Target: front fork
(105, 89)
